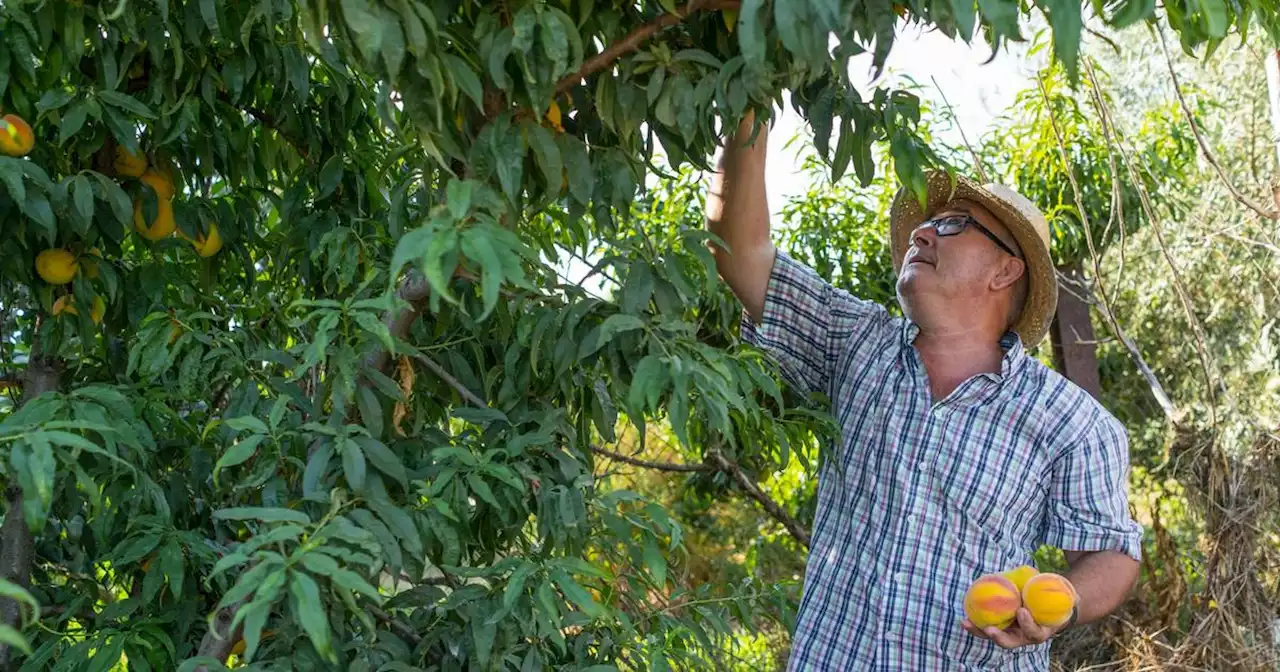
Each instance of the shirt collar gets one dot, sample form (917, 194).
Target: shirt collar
(1010, 342)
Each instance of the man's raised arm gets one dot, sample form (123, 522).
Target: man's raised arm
(738, 212)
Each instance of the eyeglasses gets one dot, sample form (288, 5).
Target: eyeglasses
(951, 225)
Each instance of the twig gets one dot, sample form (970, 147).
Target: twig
(1180, 289)
(1104, 303)
(468, 395)
(638, 37)
(801, 535)
(402, 630)
(219, 640)
(1204, 146)
(660, 466)
(977, 163)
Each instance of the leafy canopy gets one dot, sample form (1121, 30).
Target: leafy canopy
(363, 429)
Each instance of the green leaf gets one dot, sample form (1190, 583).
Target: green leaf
(370, 409)
(249, 423)
(393, 46)
(11, 176)
(330, 176)
(654, 561)
(73, 120)
(54, 99)
(15, 639)
(401, 525)
(477, 245)
(237, 454)
(515, 584)
(37, 208)
(481, 489)
(364, 23)
(1215, 17)
(601, 335)
(578, 167)
(353, 464)
(547, 155)
(82, 193)
(1065, 19)
(170, 557)
(966, 17)
(465, 78)
(19, 594)
(324, 565)
(384, 460)
(307, 608)
(483, 633)
(264, 514)
(111, 192)
(127, 103)
(751, 32)
(577, 594)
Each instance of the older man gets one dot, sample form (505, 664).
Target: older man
(959, 454)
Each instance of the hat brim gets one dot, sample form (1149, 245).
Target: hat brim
(1042, 290)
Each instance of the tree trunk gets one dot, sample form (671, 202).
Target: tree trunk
(1075, 353)
(1273, 96)
(17, 547)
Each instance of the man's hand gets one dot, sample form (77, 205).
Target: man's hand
(1024, 631)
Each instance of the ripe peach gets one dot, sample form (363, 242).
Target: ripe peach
(16, 138)
(1050, 598)
(992, 600)
(1019, 575)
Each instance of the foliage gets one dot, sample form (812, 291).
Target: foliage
(364, 433)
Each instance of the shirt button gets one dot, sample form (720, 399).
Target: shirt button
(900, 577)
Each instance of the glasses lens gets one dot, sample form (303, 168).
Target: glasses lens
(949, 226)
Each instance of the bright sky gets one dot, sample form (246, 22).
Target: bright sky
(977, 91)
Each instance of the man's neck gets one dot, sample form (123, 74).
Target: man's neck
(952, 356)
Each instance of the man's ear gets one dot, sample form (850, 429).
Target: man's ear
(1008, 273)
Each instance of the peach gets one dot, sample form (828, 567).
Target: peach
(992, 599)
(1019, 575)
(1050, 598)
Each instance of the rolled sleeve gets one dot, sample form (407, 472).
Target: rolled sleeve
(1089, 503)
(807, 324)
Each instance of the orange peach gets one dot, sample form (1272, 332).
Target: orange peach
(1050, 598)
(1019, 575)
(992, 600)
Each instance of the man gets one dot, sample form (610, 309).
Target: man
(959, 454)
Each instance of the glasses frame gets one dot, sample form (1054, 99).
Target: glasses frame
(958, 223)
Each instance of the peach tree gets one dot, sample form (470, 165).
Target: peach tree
(293, 373)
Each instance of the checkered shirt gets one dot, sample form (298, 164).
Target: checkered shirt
(918, 499)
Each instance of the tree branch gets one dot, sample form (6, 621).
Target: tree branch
(466, 394)
(1104, 303)
(660, 466)
(1201, 341)
(402, 630)
(1204, 146)
(633, 40)
(717, 458)
(219, 640)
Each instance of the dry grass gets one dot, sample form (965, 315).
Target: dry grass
(1212, 610)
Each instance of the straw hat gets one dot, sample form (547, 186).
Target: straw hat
(1028, 226)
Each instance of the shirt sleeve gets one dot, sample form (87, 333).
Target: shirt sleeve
(1088, 498)
(808, 324)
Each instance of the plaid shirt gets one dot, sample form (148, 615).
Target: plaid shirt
(918, 499)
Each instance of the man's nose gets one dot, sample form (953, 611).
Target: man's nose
(924, 236)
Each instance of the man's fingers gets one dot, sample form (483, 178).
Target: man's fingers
(1033, 631)
(1009, 639)
(972, 629)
